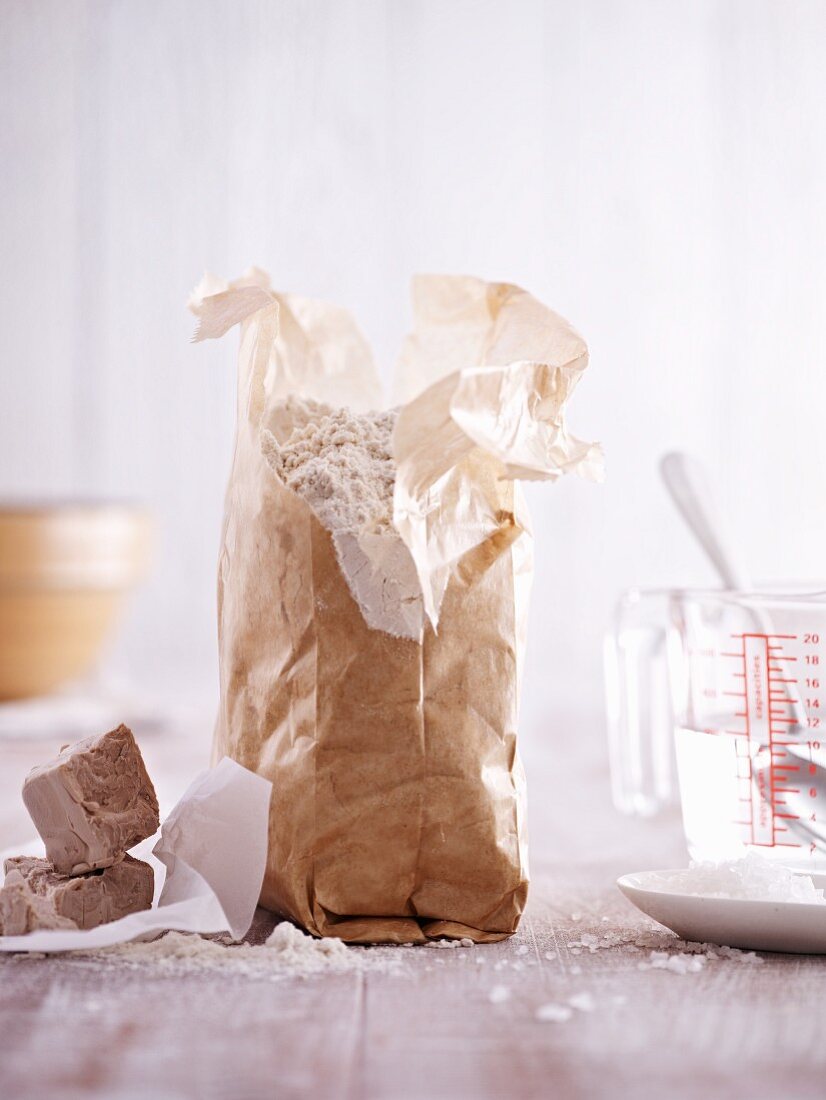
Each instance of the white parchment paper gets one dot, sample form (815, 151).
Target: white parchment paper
(209, 865)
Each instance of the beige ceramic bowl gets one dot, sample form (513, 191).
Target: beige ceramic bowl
(64, 573)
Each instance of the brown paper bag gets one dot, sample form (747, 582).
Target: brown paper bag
(375, 679)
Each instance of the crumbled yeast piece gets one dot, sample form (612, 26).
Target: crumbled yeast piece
(93, 802)
(22, 911)
(91, 899)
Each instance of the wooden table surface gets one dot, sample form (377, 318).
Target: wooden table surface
(732, 1030)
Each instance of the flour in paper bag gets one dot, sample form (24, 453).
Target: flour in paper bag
(341, 463)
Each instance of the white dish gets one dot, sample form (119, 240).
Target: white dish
(735, 922)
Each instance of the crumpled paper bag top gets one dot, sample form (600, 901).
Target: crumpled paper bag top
(483, 377)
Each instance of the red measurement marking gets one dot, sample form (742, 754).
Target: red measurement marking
(783, 679)
(740, 655)
(779, 845)
(791, 817)
(788, 721)
(737, 694)
(788, 768)
(782, 659)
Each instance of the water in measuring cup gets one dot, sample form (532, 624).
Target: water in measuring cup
(727, 806)
(754, 778)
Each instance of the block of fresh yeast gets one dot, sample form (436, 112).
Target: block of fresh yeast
(93, 802)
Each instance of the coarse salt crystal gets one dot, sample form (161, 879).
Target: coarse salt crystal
(751, 878)
(678, 964)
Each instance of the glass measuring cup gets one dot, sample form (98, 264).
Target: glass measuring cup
(720, 697)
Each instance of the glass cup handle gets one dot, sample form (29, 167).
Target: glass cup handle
(639, 707)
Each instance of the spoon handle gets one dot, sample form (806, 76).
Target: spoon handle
(686, 481)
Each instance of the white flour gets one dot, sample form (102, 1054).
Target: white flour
(287, 953)
(341, 464)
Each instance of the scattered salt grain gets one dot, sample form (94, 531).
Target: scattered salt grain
(499, 994)
(678, 964)
(553, 1013)
(582, 1002)
(549, 955)
(522, 950)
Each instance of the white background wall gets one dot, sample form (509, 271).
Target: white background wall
(655, 170)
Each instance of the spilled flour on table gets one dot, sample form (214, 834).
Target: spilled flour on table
(286, 953)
